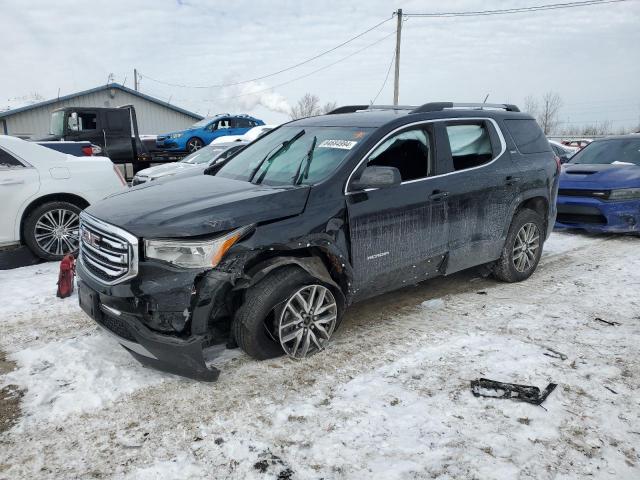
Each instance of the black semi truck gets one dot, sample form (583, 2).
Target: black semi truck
(114, 130)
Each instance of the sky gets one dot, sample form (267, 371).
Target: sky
(589, 56)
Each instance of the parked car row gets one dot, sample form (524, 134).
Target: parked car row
(264, 244)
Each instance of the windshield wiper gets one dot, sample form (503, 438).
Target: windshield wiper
(270, 157)
(297, 177)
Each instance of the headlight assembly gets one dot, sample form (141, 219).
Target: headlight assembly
(194, 253)
(625, 194)
(175, 135)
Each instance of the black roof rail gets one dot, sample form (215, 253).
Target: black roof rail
(356, 108)
(439, 106)
(347, 109)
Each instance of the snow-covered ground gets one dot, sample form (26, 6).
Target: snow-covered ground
(389, 399)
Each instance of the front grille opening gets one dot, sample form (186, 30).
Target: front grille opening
(117, 326)
(571, 218)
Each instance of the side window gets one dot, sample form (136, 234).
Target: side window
(527, 135)
(79, 122)
(243, 123)
(470, 145)
(8, 161)
(408, 151)
(224, 123)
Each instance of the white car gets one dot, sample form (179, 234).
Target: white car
(197, 161)
(249, 136)
(42, 192)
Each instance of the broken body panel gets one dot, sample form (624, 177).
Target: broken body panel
(362, 242)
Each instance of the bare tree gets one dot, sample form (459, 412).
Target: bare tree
(531, 105)
(328, 107)
(309, 106)
(548, 115)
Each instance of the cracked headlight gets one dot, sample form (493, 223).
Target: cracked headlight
(175, 135)
(624, 194)
(194, 253)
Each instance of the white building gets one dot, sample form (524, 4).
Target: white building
(154, 116)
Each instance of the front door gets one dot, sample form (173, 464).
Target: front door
(116, 130)
(399, 234)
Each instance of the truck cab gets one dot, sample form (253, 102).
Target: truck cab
(110, 128)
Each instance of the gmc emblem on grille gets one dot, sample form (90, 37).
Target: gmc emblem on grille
(91, 238)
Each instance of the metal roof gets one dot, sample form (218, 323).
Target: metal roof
(108, 86)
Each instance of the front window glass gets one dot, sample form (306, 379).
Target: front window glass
(614, 151)
(57, 124)
(408, 151)
(204, 155)
(294, 155)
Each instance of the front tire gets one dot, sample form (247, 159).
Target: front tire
(522, 249)
(288, 312)
(194, 144)
(51, 231)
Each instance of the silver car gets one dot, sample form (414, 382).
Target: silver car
(194, 163)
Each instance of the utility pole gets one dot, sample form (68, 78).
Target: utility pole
(135, 79)
(396, 83)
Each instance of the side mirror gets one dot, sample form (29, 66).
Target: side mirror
(377, 177)
(564, 158)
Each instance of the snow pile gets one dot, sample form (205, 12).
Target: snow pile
(76, 375)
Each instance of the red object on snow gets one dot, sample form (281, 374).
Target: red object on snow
(66, 276)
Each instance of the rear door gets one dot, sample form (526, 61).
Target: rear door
(399, 235)
(481, 185)
(18, 183)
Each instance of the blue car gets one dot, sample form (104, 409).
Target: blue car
(205, 131)
(600, 187)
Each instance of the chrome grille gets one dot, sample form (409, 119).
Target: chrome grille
(107, 253)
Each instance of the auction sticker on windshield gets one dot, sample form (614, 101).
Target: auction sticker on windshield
(342, 144)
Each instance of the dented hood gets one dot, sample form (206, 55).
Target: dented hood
(195, 206)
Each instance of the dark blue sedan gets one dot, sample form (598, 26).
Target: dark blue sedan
(600, 187)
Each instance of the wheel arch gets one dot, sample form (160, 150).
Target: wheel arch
(537, 203)
(52, 197)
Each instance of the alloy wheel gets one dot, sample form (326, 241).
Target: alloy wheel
(194, 146)
(56, 231)
(307, 321)
(526, 247)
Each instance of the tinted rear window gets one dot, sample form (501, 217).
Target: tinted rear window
(527, 135)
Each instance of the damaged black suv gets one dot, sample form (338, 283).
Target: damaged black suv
(267, 250)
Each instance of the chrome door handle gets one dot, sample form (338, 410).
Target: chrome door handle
(437, 195)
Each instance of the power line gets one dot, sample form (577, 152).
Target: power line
(386, 77)
(505, 11)
(302, 76)
(262, 77)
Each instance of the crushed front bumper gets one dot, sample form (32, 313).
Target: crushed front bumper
(125, 312)
(595, 215)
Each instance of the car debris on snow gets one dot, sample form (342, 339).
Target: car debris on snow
(484, 387)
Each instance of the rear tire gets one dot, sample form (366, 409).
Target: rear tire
(51, 231)
(522, 248)
(255, 326)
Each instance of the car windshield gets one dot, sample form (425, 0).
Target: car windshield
(202, 123)
(204, 155)
(294, 155)
(57, 124)
(625, 151)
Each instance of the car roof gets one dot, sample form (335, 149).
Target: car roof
(378, 116)
(31, 152)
